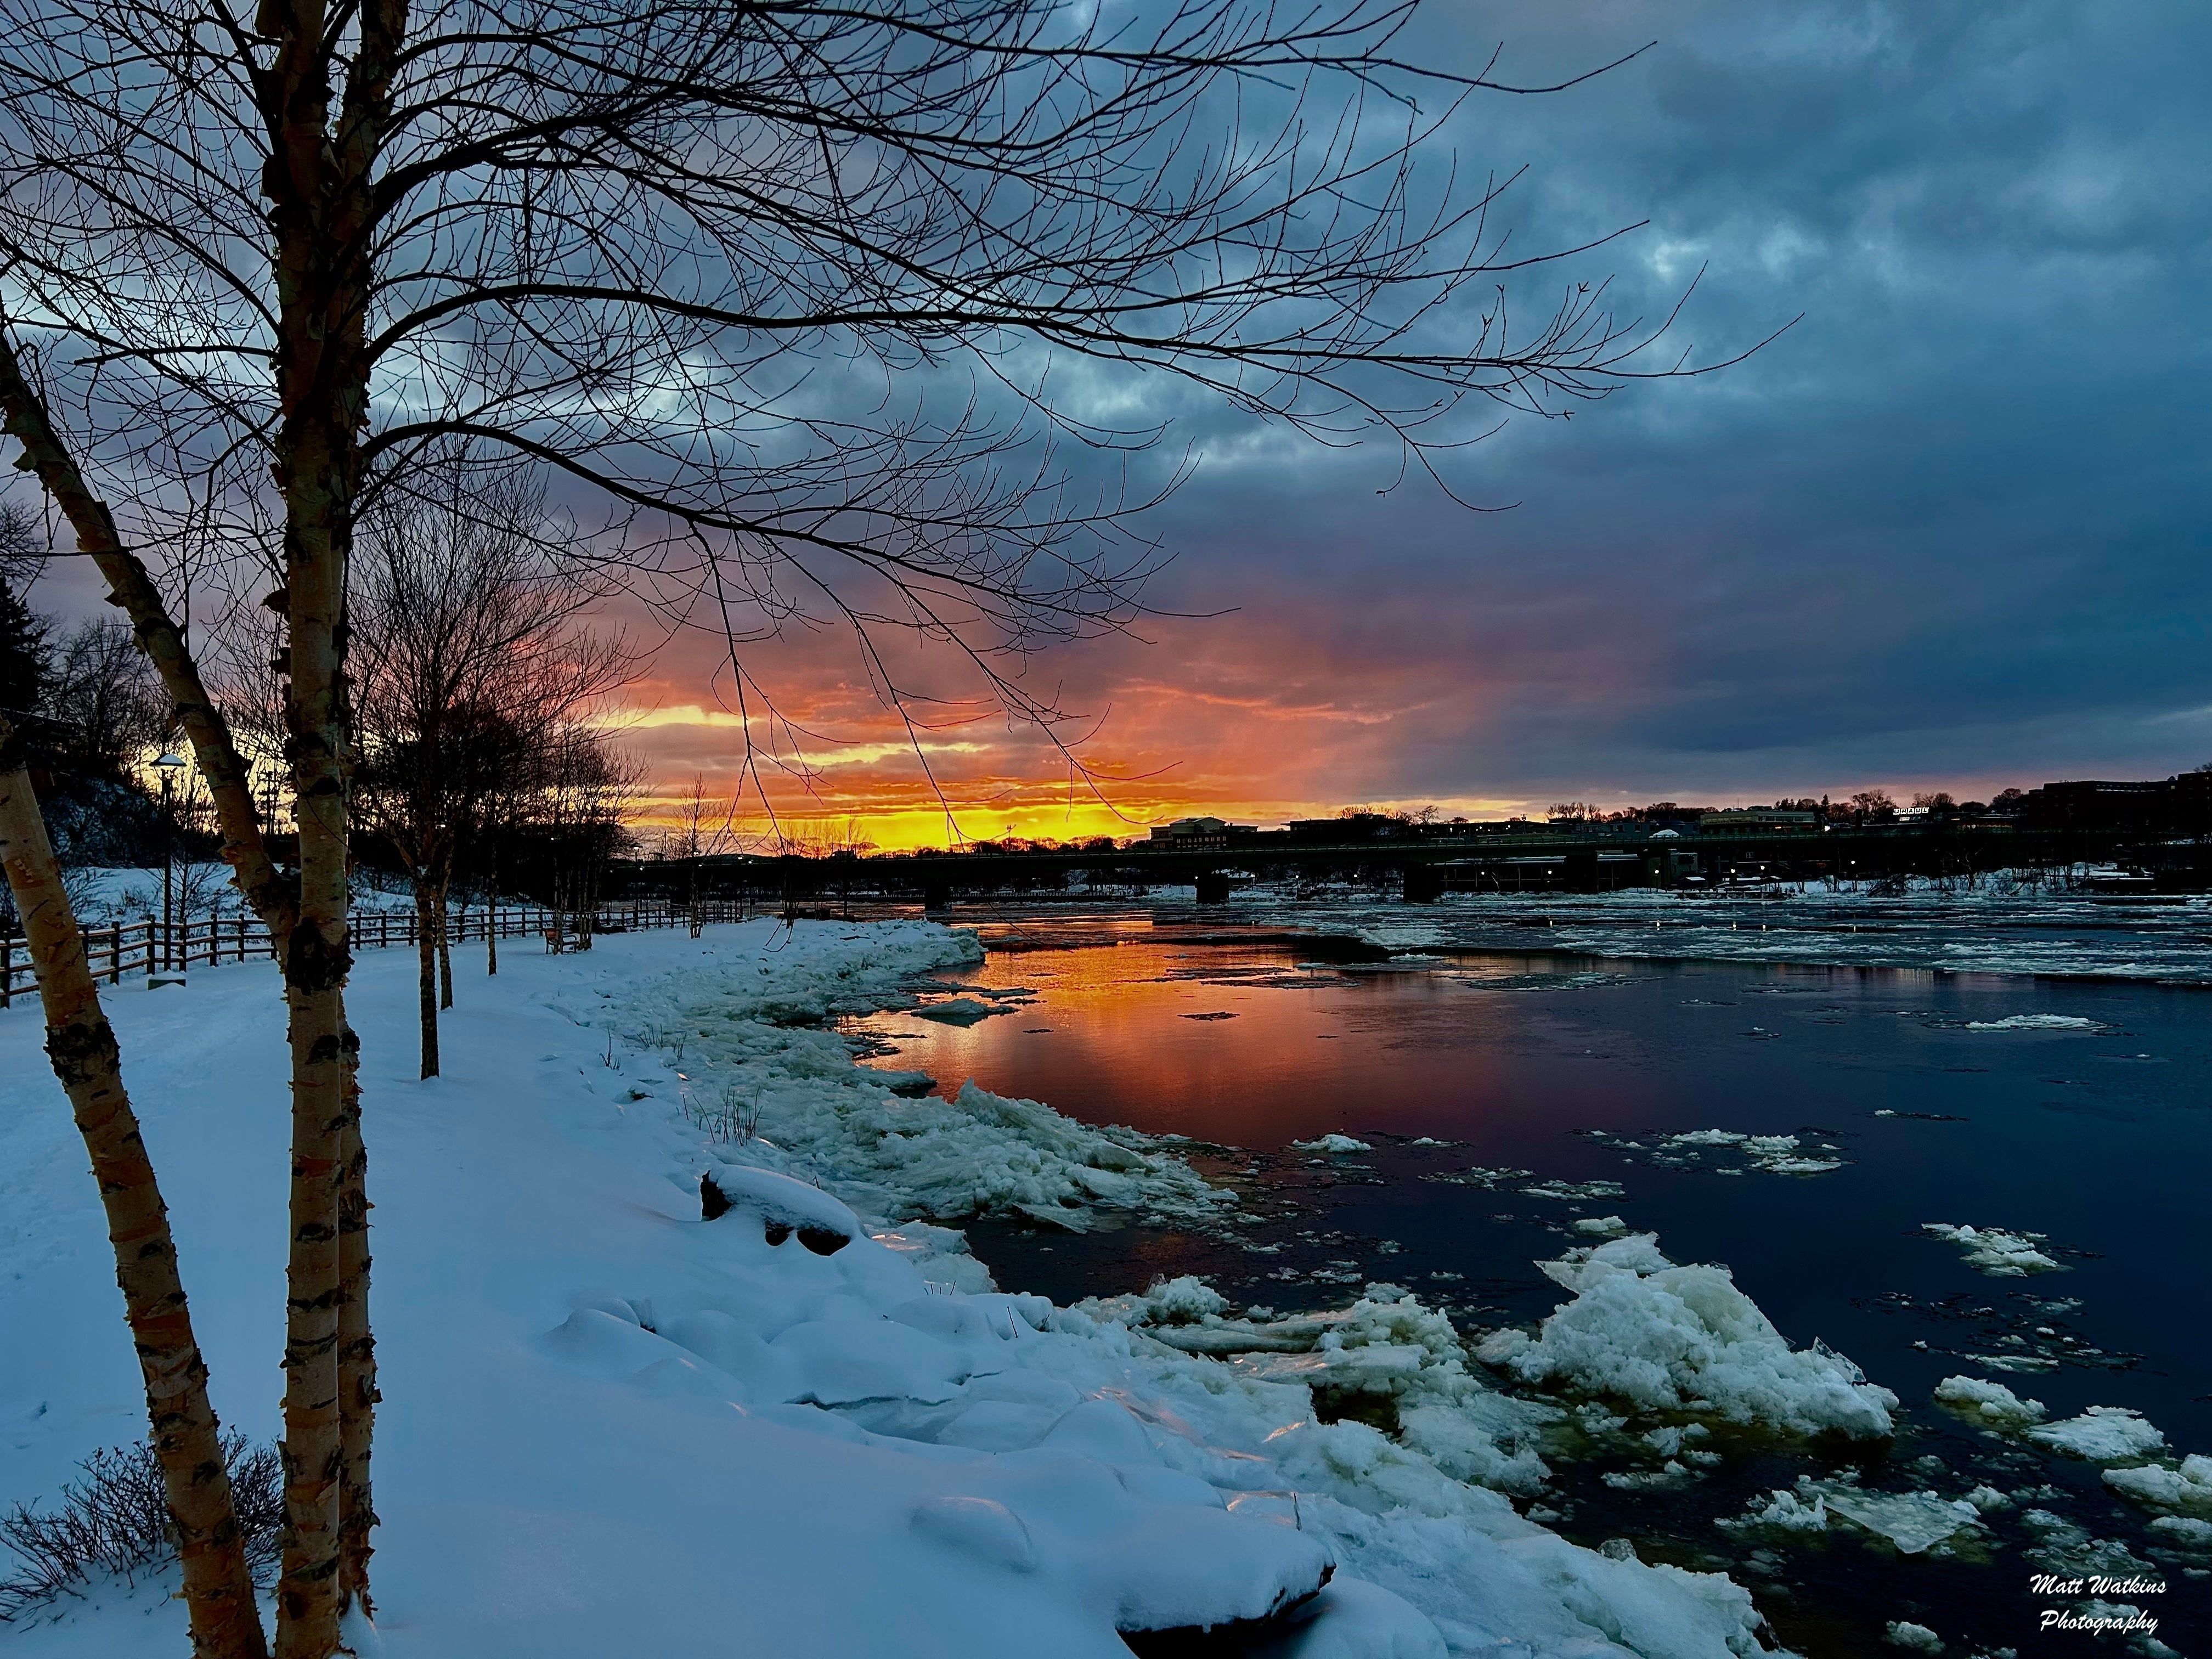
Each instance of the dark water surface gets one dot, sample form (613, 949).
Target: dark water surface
(2099, 1137)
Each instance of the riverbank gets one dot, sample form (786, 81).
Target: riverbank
(612, 1424)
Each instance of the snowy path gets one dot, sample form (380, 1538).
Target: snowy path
(610, 1426)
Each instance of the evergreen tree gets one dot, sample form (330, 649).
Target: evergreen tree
(25, 666)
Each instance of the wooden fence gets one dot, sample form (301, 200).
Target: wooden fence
(149, 948)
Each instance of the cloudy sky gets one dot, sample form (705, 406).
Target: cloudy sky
(1949, 531)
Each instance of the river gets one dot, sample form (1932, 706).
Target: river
(1505, 1095)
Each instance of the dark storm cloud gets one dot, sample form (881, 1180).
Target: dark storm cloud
(1954, 524)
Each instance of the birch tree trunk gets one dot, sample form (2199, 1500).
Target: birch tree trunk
(187, 1440)
(275, 899)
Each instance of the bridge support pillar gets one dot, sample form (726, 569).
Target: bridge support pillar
(937, 896)
(1214, 887)
(1424, 884)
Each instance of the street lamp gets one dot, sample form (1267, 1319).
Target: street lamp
(168, 764)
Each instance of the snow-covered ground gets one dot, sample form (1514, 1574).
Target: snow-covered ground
(102, 893)
(613, 1425)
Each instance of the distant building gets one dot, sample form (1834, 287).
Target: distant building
(1758, 820)
(1200, 835)
(2102, 804)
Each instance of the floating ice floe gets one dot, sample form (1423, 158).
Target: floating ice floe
(1913, 1521)
(2037, 1022)
(1767, 1154)
(1783, 1511)
(1996, 1252)
(2068, 1550)
(1477, 1176)
(2183, 1491)
(1576, 1191)
(1333, 1143)
(1991, 1404)
(1683, 1338)
(1904, 1633)
(2103, 1434)
(1611, 1226)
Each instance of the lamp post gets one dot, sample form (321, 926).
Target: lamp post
(168, 764)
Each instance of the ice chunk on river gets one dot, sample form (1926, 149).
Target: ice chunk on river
(1683, 1339)
(2000, 1255)
(2103, 1434)
(1913, 1521)
(1991, 1404)
(1333, 1143)
(2187, 1490)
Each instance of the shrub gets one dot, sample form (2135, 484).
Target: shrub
(113, 1522)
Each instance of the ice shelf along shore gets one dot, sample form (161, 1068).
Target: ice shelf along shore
(678, 1354)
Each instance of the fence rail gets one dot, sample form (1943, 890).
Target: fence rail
(150, 948)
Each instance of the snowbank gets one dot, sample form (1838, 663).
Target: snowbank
(612, 1424)
(751, 1031)
(1683, 1338)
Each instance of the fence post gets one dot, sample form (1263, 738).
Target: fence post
(7, 969)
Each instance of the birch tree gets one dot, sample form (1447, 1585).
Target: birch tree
(783, 287)
(471, 658)
(187, 1439)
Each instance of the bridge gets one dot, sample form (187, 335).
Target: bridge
(1426, 866)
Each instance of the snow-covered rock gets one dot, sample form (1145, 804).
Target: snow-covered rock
(1683, 1338)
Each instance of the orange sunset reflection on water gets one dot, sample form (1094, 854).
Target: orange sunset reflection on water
(1136, 1035)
